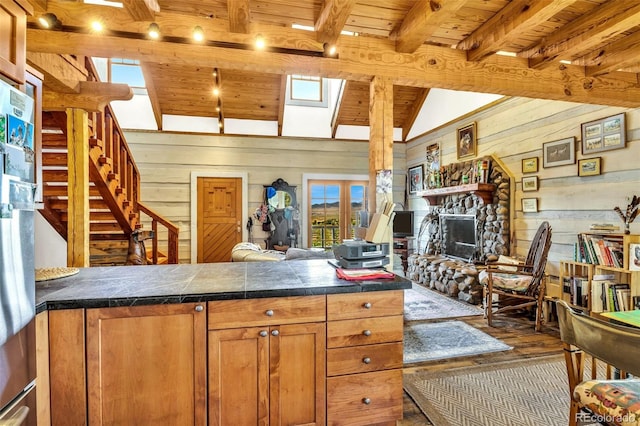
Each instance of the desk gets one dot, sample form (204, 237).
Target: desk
(626, 317)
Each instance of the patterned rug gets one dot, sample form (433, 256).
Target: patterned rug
(525, 392)
(421, 303)
(448, 339)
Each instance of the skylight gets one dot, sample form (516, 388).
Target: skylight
(104, 3)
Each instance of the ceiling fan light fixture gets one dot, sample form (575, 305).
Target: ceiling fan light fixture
(198, 34)
(153, 31)
(49, 21)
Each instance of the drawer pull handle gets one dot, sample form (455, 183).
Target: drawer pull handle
(367, 332)
(366, 401)
(199, 308)
(367, 305)
(275, 333)
(263, 333)
(269, 313)
(366, 360)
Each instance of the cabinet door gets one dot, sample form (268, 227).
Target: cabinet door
(13, 36)
(297, 374)
(147, 365)
(239, 376)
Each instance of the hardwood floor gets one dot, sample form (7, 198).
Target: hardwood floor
(516, 331)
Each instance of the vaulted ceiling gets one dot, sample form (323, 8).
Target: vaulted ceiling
(584, 51)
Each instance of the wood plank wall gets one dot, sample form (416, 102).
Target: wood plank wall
(516, 129)
(167, 159)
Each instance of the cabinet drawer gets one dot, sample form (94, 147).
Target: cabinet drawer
(364, 359)
(269, 311)
(367, 304)
(366, 331)
(364, 399)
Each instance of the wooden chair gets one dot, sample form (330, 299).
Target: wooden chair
(615, 400)
(520, 285)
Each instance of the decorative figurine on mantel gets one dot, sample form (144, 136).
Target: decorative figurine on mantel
(631, 213)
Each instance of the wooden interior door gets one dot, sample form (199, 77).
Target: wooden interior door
(219, 218)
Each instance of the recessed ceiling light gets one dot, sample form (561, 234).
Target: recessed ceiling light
(216, 91)
(260, 43)
(49, 21)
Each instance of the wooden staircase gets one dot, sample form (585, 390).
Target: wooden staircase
(115, 209)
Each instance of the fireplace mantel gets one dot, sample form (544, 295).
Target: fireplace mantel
(482, 190)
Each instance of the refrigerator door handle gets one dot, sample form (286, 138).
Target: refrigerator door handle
(17, 419)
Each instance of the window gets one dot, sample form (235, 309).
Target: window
(307, 91)
(127, 71)
(334, 209)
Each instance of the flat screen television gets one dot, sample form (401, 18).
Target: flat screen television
(403, 224)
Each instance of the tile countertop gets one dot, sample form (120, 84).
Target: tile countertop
(160, 284)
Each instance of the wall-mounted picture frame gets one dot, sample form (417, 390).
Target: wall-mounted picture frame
(634, 257)
(529, 205)
(530, 165)
(416, 179)
(559, 153)
(590, 166)
(604, 134)
(529, 183)
(432, 164)
(467, 141)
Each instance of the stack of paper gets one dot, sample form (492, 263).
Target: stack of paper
(363, 274)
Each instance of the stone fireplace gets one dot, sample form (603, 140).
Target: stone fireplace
(461, 230)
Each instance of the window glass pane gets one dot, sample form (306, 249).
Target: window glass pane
(127, 74)
(306, 88)
(325, 215)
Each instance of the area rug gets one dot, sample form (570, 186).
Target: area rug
(447, 339)
(523, 392)
(421, 304)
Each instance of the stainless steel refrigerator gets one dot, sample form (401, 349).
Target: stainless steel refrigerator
(17, 274)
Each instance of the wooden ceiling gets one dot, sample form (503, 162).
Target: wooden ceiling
(418, 44)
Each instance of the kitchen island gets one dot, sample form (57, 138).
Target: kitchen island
(225, 343)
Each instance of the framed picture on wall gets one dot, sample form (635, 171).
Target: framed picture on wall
(529, 205)
(529, 183)
(415, 179)
(559, 153)
(530, 165)
(467, 141)
(604, 134)
(589, 166)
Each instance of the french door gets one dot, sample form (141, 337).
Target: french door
(334, 208)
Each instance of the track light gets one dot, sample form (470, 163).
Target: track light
(49, 21)
(198, 34)
(153, 31)
(260, 43)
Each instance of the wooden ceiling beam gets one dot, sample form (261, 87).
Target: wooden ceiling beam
(517, 18)
(430, 66)
(330, 22)
(181, 26)
(153, 93)
(93, 96)
(622, 54)
(424, 18)
(61, 73)
(413, 114)
(585, 33)
(141, 10)
(281, 102)
(239, 16)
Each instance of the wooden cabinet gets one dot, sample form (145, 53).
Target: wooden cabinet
(364, 358)
(13, 39)
(267, 361)
(147, 365)
(136, 365)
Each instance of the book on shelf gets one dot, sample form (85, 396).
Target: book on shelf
(600, 249)
(599, 285)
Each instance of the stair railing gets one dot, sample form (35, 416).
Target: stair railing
(172, 234)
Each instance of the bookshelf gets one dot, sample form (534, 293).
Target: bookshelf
(590, 263)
